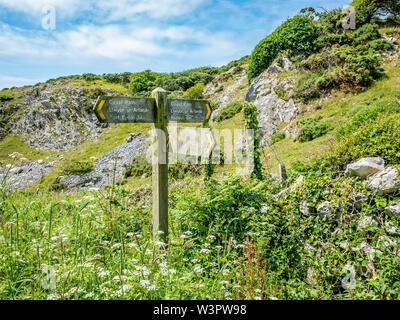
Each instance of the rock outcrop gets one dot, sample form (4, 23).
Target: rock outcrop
(228, 87)
(110, 166)
(385, 182)
(58, 116)
(19, 177)
(268, 92)
(365, 167)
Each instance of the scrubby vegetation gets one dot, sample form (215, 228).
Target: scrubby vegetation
(329, 56)
(312, 128)
(6, 97)
(229, 111)
(78, 167)
(230, 236)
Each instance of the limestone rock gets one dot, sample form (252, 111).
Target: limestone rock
(385, 182)
(366, 221)
(109, 164)
(273, 109)
(393, 211)
(325, 210)
(365, 167)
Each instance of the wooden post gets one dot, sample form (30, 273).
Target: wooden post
(282, 175)
(160, 167)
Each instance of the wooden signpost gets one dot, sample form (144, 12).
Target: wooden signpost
(160, 110)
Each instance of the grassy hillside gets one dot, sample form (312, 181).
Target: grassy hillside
(318, 235)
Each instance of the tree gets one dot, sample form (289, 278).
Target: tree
(368, 9)
(195, 92)
(142, 82)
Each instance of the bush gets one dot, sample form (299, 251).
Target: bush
(195, 92)
(360, 66)
(374, 135)
(312, 128)
(276, 137)
(139, 167)
(78, 167)
(6, 96)
(229, 111)
(90, 77)
(142, 82)
(366, 33)
(296, 36)
(306, 87)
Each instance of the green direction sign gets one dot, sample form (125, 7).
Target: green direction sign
(188, 111)
(125, 110)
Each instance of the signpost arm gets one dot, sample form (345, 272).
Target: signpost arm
(160, 167)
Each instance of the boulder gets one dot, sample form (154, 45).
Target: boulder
(385, 182)
(365, 167)
(305, 208)
(359, 199)
(393, 211)
(325, 210)
(366, 221)
(292, 188)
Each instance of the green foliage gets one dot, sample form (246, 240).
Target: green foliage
(90, 77)
(276, 137)
(122, 78)
(226, 209)
(367, 32)
(195, 92)
(370, 134)
(367, 9)
(296, 36)
(229, 111)
(78, 167)
(250, 113)
(306, 88)
(182, 169)
(312, 128)
(139, 167)
(143, 82)
(6, 96)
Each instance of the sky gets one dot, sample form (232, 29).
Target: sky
(43, 39)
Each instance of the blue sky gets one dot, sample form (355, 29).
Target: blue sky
(104, 36)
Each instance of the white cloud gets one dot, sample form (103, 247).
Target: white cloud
(117, 42)
(10, 81)
(34, 7)
(107, 10)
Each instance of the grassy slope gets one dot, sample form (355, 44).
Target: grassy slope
(337, 110)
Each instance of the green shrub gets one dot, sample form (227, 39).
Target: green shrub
(372, 135)
(142, 82)
(367, 32)
(360, 66)
(6, 96)
(90, 77)
(379, 45)
(296, 36)
(139, 167)
(179, 170)
(78, 167)
(276, 137)
(195, 92)
(312, 128)
(306, 88)
(229, 111)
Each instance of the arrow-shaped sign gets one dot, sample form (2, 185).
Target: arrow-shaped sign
(125, 110)
(188, 111)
